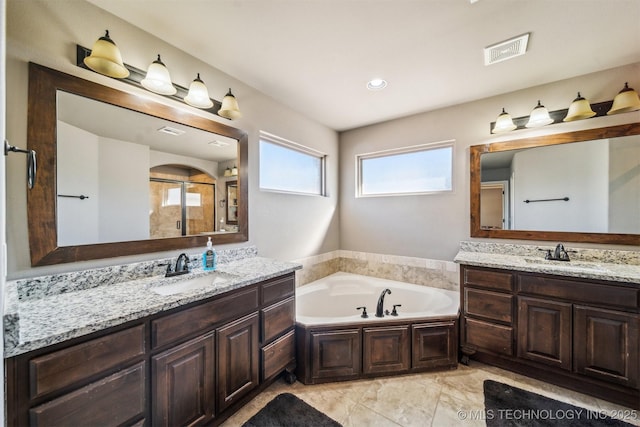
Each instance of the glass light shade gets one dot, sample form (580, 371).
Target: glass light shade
(106, 59)
(229, 108)
(539, 117)
(234, 171)
(579, 109)
(504, 123)
(227, 172)
(158, 79)
(198, 95)
(625, 101)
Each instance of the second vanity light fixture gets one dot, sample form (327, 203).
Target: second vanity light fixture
(105, 58)
(626, 100)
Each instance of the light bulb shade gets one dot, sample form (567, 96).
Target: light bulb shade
(625, 101)
(539, 117)
(198, 95)
(158, 79)
(229, 108)
(504, 123)
(579, 109)
(227, 172)
(106, 59)
(234, 171)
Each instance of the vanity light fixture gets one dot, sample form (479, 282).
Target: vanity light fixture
(625, 101)
(234, 171)
(229, 108)
(579, 109)
(106, 59)
(227, 172)
(504, 123)
(198, 95)
(158, 79)
(376, 84)
(539, 117)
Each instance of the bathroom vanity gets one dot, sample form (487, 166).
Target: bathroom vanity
(188, 358)
(575, 324)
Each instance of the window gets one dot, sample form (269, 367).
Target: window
(289, 167)
(419, 169)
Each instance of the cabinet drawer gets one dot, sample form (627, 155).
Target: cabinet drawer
(277, 355)
(178, 325)
(489, 336)
(277, 289)
(116, 400)
(488, 279)
(578, 291)
(62, 368)
(277, 318)
(487, 304)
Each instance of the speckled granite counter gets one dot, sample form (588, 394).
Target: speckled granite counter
(612, 265)
(35, 319)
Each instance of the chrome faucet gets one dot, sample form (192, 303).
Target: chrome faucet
(380, 306)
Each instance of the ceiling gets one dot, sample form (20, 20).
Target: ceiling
(316, 56)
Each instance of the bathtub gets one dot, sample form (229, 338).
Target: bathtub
(333, 300)
(334, 343)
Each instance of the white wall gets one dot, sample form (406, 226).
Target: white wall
(624, 185)
(77, 155)
(282, 226)
(124, 182)
(432, 226)
(578, 171)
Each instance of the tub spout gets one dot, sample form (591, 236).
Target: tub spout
(380, 306)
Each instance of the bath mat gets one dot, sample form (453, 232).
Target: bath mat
(286, 410)
(511, 406)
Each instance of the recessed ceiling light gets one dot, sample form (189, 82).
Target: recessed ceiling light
(376, 84)
(171, 131)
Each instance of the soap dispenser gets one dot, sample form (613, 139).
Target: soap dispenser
(209, 257)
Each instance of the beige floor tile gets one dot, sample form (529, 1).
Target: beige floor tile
(434, 399)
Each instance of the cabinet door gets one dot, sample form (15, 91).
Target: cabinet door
(386, 349)
(238, 365)
(544, 331)
(336, 354)
(606, 345)
(182, 393)
(435, 345)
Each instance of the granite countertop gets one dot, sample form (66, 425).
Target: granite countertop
(35, 322)
(610, 265)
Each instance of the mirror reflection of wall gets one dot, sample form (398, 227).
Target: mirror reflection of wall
(109, 159)
(601, 180)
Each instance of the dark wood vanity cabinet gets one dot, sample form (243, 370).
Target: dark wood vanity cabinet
(575, 332)
(195, 365)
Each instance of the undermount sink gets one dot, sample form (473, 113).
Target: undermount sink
(186, 285)
(576, 265)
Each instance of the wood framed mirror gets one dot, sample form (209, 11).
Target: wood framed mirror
(577, 186)
(45, 200)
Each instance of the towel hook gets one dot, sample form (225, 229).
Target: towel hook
(31, 161)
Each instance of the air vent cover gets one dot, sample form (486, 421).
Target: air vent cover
(506, 50)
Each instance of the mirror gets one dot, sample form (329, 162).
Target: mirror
(571, 187)
(125, 163)
(232, 202)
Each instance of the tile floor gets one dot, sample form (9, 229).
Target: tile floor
(429, 399)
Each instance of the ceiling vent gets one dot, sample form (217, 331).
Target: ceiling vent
(506, 50)
(171, 131)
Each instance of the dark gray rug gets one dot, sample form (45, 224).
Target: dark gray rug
(507, 406)
(286, 410)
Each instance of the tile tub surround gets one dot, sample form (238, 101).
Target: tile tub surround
(419, 271)
(600, 264)
(34, 323)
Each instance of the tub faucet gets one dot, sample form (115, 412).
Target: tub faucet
(380, 306)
